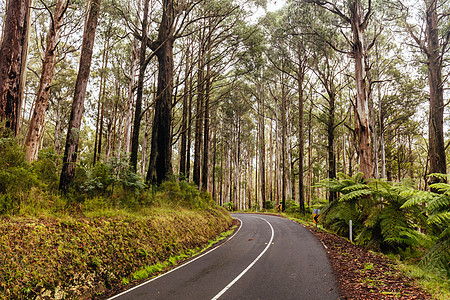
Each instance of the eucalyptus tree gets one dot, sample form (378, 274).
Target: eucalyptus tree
(432, 38)
(354, 17)
(35, 128)
(13, 59)
(329, 70)
(73, 132)
(295, 35)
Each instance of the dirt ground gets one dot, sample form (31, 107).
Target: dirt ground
(362, 274)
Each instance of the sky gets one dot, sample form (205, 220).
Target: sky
(274, 5)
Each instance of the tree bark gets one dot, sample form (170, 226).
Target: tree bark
(140, 90)
(73, 132)
(283, 143)
(13, 51)
(160, 168)
(199, 119)
(129, 112)
(101, 106)
(362, 104)
(301, 142)
(436, 121)
(206, 139)
(184, 121)
(35, 127)
(262, 145)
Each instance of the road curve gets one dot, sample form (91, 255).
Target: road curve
(268, 258)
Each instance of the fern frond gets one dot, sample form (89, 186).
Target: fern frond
(441, 219)
(358, 194)
(418, 197)
(354, 187)
(439, 203)
(439, 176)
(359, 177)
(373, 218)
(443, 188)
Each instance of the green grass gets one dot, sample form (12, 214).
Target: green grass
(42, 254)
(439, 287)
(156, 269)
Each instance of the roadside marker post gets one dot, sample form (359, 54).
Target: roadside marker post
(316, 216)
(350, 225)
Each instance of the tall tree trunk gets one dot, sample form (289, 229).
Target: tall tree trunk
(184, 121)
(160, 168)
(283, 143)
(57, 136)
(129, 112)
(330, 146)
(310, 173)
(262, 145)
(436, 121)
(214, 194)
(362, 103)
(301, 142)
(140, 90)
(199, 120)
(101, 105)
(73, 132)
(13, 52)
(189, 130)
(35, 127)
(206, 139)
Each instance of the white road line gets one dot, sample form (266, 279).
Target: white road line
(179, 267)
(249, 266)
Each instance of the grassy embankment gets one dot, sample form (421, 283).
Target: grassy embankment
(72, 257)
(108, 231)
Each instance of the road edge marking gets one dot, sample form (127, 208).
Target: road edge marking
(249, 266)
(179, 267)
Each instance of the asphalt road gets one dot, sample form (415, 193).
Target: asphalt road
(268, 258)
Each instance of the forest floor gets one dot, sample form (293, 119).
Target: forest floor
(363, 274)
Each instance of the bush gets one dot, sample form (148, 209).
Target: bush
(46, 169)
(184, 194)
(269, 205)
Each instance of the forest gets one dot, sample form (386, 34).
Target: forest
(340, 105)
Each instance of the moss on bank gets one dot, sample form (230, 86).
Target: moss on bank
(67, 257)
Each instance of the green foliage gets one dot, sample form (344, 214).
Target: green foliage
(375, 209)
(392, 217)
(184, 194)
(229, 206)
(46, 169)
(82, 256)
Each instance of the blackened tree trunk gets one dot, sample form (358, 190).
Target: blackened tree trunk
(13, 51)
(184, 121)
(436, 121)
(283, 143)
(160, 168)
(301, 140)
(140, 88)
(35, 127)
(330, 146)
(73, 132)
(262, 146)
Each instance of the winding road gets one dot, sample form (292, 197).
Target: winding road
(269, 257)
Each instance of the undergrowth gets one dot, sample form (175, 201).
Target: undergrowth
(95, 237)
